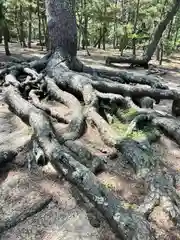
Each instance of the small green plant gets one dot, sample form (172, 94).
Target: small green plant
(121, 129)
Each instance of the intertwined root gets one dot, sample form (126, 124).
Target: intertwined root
(162, 192)
(92, 99)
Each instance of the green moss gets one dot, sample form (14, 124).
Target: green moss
(29, 131)
(129, 113)
(127, 205)
(109, 186)
(121, 129)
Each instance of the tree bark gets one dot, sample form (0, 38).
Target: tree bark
(112, 209)
(30, 26)
(130, 60)
(39, 24)
(135, 27)
(62, 35)
(115, 27)
(21, 19)
(1, 34)
(5, 33)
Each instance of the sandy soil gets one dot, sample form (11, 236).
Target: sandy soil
(41, 204)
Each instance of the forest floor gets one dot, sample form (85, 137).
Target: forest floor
(44, 206)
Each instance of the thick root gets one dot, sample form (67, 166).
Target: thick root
(135, 91)
(117, 216)
(132, 61)
(77, 124)
(36, 102)
(6, 156)
(162, 192)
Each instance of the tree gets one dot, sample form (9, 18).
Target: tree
(62, 35)
(134, 28)
(154, 41)
(5, 31)
(30, 25)
(22, 32)
(90, 93)
(160, 29)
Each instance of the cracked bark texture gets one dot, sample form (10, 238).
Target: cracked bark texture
(62, 25)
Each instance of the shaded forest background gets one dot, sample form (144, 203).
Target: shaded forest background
(125, 24)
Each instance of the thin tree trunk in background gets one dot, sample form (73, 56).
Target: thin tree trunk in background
(104, 36)
(104, 29)
(21, 18)
(100, 38)
(161, 54)
(44, 25)
(30, 26)
(85, 28)
(160, 29)
(123, 12)
(115, 27)
(16, 22)
(4, 30)
(79, 40)
(159, 46)
(158, 53)
(34, 34)
(1, 34)
(6, 36)
(45, 32)
(170, 30)
(39, 24)
(135, 27)
(176, 35)
(8, 33)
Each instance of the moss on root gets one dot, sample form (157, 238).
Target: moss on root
(130, 113)
(121, 129)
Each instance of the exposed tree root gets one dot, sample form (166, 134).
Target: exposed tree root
(125, 223)
(126, 77)
(168, 125)
(132, 61)
(144, 102)
(162, 192)
(6, 156)
(134, 91)
(77, 124)
(45, 108)
(91, 98)
(139, 155)
(94, 163)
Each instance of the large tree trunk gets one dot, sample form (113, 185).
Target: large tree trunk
(62, 35)
(160, 30)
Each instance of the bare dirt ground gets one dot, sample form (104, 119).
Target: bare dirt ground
(44, 206)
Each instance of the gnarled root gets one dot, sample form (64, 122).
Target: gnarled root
(125, 223)
(161, 192)
(132, 61)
